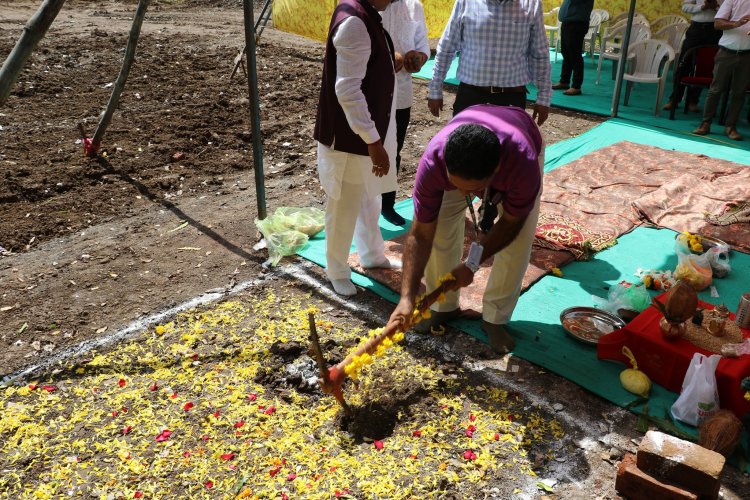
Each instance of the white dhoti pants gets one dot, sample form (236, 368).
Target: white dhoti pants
(509, 266)
(352, 209)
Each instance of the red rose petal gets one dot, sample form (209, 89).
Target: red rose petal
(417, 433)
(124, 410)
(153, 387)
(469, 433)
(186, 454)
(472, 417)
(227, 456)
(291, 477)
(122, 382)
(274, 471)
(470, 455)
(33, 387)
(510, 418)
(497, 437)
(138, 494)
(216, 414)
(188, 406)
(239, 424)
(127, 429)
(284, 496)
(270, 410)
(378, 445)
(114, 413)
(163, 435)
(174, 395)
(471, 428)
(209, 484)
(49, 388)
(205, 437)
(252, 397)
(194, 357)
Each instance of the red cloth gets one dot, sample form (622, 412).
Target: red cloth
(666, 362)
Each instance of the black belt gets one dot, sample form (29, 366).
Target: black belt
(735, 52)
(704, 25)
(521, 89)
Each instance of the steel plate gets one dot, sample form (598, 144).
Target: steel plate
(587, 324)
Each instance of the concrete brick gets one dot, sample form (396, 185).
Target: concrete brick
(634, 484)
(687, 464)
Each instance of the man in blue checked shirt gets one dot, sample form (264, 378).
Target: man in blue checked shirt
(503, 46)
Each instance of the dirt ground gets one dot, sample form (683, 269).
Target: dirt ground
(87, 247)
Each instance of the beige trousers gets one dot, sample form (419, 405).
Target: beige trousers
(504, 283)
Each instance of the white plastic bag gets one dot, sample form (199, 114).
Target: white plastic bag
(699, 398)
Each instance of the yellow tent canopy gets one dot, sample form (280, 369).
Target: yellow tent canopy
(310, 18)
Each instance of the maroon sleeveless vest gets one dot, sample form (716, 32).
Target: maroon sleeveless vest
(331, 126)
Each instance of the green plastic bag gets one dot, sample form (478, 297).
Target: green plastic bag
(308, 220)
(289, 228)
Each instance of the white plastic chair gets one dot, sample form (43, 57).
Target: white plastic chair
(624, 16)
(603, 13)
(665, 21)
(553, 28)
(605, 22)
(648, 62)
(673, 34)
(612, 42)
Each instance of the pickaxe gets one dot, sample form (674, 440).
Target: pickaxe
(332, 378)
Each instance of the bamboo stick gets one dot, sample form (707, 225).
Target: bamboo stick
(33, 32)
(114, 99)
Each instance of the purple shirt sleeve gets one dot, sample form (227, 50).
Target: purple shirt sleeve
(519, 178)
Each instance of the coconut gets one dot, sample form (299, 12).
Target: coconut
(721, 433)
(680, 303)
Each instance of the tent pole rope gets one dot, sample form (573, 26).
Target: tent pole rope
(114, 99)
(33, 32)
(252, 84)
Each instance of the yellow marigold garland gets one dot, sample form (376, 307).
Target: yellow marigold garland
(358, 362)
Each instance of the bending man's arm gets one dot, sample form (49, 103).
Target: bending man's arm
(416, 254)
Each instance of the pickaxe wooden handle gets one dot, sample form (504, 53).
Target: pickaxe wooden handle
(332, 378)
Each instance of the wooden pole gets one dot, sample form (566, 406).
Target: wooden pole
(33, 32)
(114, 99)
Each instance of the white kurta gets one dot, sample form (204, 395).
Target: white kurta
(404, 21)
(353, 191)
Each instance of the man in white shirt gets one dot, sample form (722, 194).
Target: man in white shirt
(731, 66)
(355, 130)
(404, 21)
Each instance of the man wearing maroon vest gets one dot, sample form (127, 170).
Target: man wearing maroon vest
(356, 134)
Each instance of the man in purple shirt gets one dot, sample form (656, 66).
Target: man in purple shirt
(495, 152)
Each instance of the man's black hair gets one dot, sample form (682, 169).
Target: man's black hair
(472, 152)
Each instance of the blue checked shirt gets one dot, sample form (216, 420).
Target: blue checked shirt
(502, 43)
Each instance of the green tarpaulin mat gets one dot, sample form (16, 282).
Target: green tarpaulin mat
(597, 99)
(536, 320)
